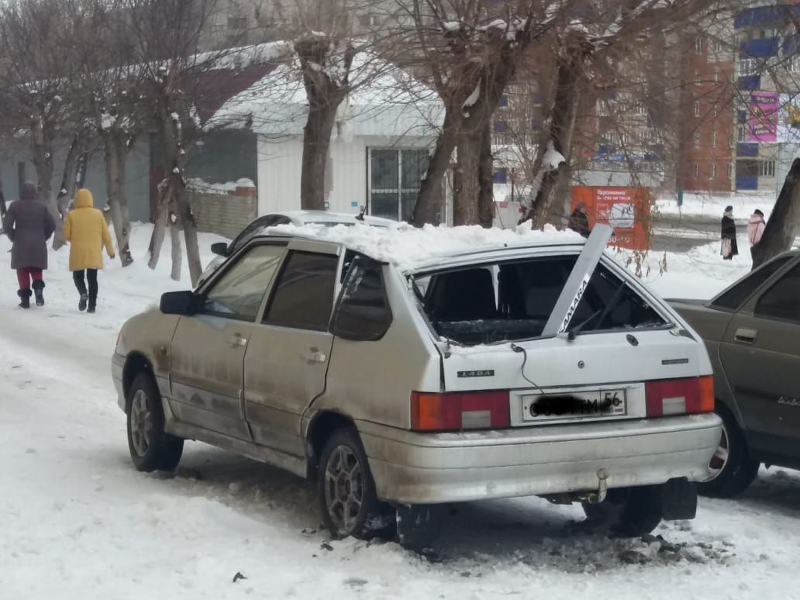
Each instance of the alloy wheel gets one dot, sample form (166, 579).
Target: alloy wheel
(141, 423)
(344, 488)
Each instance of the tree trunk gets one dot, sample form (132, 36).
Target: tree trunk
(66, 190)
(116, 153)
(189, 225)
(161, 219)
(316, 142)
(429, 200)
(546, 207)
(465, 179)
(784, 222)
(486, 178)
(177, 254)
(43, 162)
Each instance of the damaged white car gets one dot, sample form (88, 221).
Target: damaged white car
(404, 369)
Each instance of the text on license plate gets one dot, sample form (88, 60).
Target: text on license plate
(568, 405)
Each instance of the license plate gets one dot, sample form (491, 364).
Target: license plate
(586, 404)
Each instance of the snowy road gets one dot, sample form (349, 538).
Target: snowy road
(80, 522)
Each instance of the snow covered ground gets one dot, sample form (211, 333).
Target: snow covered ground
(79, 522)
(710, 205)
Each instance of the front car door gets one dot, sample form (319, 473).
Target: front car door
(760, 353)
(287, 358)
(208, 348)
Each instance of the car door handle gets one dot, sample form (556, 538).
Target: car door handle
(315, 356)
(238, 340)
(746, 336)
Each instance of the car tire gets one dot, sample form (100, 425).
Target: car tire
(627, 512)
(734, 469)
(150, 446)
(346, 490)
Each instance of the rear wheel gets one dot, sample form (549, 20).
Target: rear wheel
(732, 469)
(627, 512)
(150, 446)
(346, 489)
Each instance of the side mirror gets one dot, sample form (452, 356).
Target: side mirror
(219, 248)
(179, 303)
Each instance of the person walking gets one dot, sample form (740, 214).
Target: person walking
(578, 221)
(728, 234)
(86, 231)
(28, 224)
(755, 228)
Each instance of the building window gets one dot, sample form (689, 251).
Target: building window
(716, 73)
(698, 44)
(394, 181)
(500, 175)
(713, 139)
(696, 139)
(741, 133)
(696, 108)
(713, 172)
(794, 64)
(747, 67)
(766, 168)
(697, 169)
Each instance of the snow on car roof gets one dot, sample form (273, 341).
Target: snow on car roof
(410, 247)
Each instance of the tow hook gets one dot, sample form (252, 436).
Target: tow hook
(602, 488)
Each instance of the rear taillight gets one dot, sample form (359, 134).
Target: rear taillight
(679, 396)
(455, 411)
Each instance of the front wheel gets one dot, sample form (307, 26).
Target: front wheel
(346, 489)
(731, 468)
(150, 446)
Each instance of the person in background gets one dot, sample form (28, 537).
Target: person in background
(86, 231)
(578, 221)
(728, 234)
(755, 228)
(28, 224)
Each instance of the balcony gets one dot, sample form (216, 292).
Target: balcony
(743, 149)
(760, 48)
(749, 82)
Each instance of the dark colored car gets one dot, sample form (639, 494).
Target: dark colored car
(752, 332)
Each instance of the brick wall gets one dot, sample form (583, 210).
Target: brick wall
(224, 214)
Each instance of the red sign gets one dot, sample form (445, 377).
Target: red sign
(627, 210)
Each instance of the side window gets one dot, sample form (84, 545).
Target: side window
(610, 303)
(782, 300)
(238, 293)
(734, 297)
(363, 312)
(303, 293)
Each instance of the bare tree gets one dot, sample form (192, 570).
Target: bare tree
(34, 93)
(165, 37)
(469, 52)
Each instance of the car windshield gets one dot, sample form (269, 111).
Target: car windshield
(509, 301)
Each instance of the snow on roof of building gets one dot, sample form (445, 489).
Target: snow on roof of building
(411, 248)
(384, 101)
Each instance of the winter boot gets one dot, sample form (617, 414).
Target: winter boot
(82, 302)
(38, 286)
(92, 303)
(25, 298)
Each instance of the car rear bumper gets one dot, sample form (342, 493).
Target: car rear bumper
(415, 468)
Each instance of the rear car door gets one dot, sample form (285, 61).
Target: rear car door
(287, 358)
(208, 348)
(760, 353)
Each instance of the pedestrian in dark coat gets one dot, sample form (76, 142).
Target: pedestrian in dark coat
(28, 224)
(578, 221)
(728, 233)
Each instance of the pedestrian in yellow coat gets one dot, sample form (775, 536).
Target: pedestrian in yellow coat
(86, 231)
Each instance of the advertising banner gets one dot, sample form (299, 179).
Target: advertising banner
(763, 121)
(626, 209)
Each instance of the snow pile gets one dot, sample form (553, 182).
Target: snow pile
(410, 248)
(204, 187)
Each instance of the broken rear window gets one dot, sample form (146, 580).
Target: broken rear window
(509, 301)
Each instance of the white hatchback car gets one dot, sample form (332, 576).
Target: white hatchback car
(405, 368)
